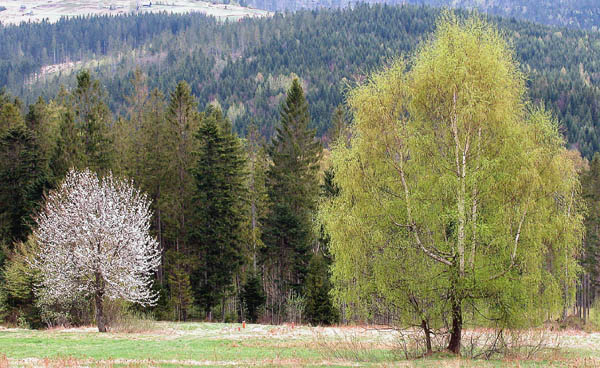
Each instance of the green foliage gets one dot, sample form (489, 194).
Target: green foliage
(292, 182)
(10, 114)
(252, 298)
(24, 175)
(19, 280)
(257, 203)
(243, 65)
(591, 193)
(181, 295)
(4, 308)
(219, 177)
(92, 120)
(319, 307)
(453, 195)
(182, 123)
(573, 13)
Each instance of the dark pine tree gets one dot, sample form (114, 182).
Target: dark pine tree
(219, 176)
(23, 174)
(252, 298)
(93, 118)
(319, 308)
(591, 254)
(293, 188)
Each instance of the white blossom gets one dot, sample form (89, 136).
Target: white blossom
(94, 239)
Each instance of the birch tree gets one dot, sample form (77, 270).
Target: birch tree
(454, 193)
(94, 242)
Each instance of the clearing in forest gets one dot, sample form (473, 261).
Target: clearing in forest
(18, 11)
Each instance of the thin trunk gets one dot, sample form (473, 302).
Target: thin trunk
(566, 290)
(461, 171)
(253, 211)
(161, 270)
(99, 304)
(457, 322)
(223, 309)
(427, 333)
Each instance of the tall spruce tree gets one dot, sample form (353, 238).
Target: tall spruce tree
(293, 187)
(591, 194)
(319, 308)
(183, 121)
(257, 194)
(23, 174)
(93, 119)
(220, 177)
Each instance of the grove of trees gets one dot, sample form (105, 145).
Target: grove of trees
(446, 193)
(232, 218)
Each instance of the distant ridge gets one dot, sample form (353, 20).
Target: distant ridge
(580, 14)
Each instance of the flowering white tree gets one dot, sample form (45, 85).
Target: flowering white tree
(94, 240)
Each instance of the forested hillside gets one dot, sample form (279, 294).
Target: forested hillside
(223, 127)
(246, 66)
(583, 14)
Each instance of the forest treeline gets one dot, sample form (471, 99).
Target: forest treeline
(233, 217)
(583, 14)
(247, 66)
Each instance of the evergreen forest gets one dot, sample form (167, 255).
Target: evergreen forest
(247, 66)
(249, 140)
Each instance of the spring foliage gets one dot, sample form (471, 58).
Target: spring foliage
(454, 193)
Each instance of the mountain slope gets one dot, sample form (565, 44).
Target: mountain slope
(247, 66)
(582, 14)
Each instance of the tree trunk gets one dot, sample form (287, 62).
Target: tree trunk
(456, 333)
(223, 309)
(427, 333)
(99, 304)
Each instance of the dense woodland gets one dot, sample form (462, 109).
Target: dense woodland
(570, 13)
(223, 125)
(247, 66)
(233, 218)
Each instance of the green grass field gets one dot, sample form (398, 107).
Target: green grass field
(203, 344)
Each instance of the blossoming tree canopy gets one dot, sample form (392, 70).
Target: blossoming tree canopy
(94, 240)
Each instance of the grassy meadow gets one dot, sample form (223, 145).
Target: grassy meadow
(164, 344)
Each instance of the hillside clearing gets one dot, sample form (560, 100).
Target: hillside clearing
(18, 11)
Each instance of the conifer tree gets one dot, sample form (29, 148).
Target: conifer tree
(183, 121)
(92, 119)
(257, 194)
(319, 308)
(69, 146)
(10, 112)
(220, 177)
(23, 174)
(252, 298)
(181, 294)
(292, 182)
(591, 194)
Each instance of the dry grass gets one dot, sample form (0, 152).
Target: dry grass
(3, 361)
(164, 344)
